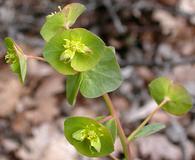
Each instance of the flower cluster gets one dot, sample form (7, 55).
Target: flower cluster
(71, 48)
(90, 133)
(10, 56)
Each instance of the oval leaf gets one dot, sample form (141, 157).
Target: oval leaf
(89, 137)
(72, 12)
(104, 77)
(148, 130)
(180, 100)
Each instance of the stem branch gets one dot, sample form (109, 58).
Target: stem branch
(105, 119)
(123, 138)
(36, 57)
(131, 136)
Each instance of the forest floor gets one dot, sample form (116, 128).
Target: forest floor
(152, 38)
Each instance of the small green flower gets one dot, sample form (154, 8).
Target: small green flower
(11, 57)
(71, 48)
(90, 133)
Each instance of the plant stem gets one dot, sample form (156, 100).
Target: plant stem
(131, 136)
(112, 157)
(36, 57)
(123, 138)
(105, 119)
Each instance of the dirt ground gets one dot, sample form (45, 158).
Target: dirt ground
(152, 38)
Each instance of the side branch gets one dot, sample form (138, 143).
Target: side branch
(36, 58)
(131, 136)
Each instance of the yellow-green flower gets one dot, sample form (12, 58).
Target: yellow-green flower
(71, 48)
(91, 133)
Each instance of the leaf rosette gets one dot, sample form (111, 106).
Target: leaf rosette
(16, 58)
(73, 50)
(89, 137)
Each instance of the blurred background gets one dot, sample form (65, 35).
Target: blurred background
(152, 38)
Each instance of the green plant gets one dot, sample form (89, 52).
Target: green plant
(91, 68)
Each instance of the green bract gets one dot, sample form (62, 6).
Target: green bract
(52, 25)
(65, 18)
(72, 87)
(16, 59)
(111, 125)
(180, 100)
(89, 137)
(104, 77)
(72, 12)
(73, 50)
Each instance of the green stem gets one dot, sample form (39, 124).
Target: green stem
(131, 136)
(105, 119)
(123, 138)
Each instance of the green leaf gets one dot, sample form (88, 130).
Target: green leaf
(72, 12)
(52, 25)
(72, 87)
(89, 137)
(104, 77)
(80, 61)
(84, 62)
(180, 100)
(111, 125)
(61, 20)
(148, 130)
(16, 58)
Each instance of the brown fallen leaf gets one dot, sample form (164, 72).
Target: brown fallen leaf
(46, 110)
(47, 143)
(10, 92)
(51, 86)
